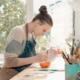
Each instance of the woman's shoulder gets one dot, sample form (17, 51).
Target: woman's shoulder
(18, 28)
(16, 33)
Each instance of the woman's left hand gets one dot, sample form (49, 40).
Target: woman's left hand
(51, 54)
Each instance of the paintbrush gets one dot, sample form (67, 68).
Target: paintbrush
(66, 56)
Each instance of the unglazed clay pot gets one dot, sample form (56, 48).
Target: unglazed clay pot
(45, 64)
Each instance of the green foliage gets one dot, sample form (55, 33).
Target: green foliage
(43, 42)
(12, 13)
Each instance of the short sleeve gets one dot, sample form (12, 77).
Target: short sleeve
(14, 43)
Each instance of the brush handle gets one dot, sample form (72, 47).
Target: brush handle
(67, 58)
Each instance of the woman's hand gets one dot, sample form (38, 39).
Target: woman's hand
(40, 57)
(48, 55)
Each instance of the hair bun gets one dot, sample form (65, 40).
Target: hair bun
(43, 10)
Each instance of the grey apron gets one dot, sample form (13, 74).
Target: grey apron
(29, 51)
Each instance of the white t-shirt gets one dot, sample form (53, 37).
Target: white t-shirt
(16, 41)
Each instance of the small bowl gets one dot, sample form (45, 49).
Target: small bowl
(45, 64)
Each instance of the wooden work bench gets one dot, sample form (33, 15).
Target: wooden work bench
(56, 75)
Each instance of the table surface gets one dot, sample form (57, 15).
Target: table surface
(33, 72)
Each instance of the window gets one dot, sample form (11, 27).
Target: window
(12, 13)
(62, 29)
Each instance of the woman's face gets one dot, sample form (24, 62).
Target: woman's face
(41, 29)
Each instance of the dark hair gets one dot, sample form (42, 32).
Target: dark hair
(43, 16)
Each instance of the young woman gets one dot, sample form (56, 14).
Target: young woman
(20, 49)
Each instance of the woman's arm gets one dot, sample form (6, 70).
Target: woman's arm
(16, 62)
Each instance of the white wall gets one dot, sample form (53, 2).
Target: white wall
(77, 25)
(63, 24)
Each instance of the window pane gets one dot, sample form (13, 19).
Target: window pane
(63, 24)
(12, 13)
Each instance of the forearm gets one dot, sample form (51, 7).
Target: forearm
(16, 62)
(25, 61)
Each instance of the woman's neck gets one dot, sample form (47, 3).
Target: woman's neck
(30, 27)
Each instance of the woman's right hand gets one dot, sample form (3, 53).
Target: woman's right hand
(40, 57)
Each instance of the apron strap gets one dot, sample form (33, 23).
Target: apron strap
(27, 32)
